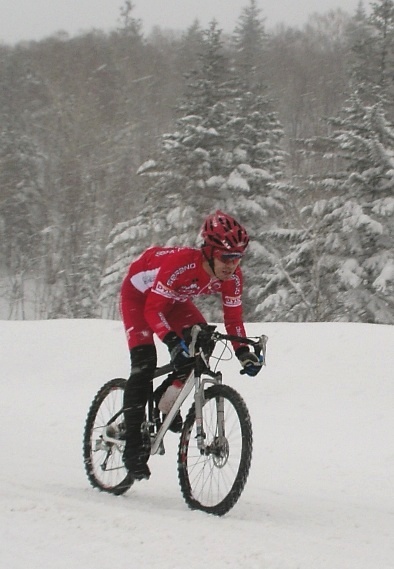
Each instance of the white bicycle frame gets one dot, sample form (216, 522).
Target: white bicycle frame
(199, 387)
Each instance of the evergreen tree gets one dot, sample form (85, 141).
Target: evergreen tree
(340, 265)
(179, 193)
(335, 262)
(86, 280)
(22, 173)
(225, 155)
(250, 40)
(190, 49)
(130, 27)
(373, 52)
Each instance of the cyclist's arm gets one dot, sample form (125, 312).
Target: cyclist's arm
(157, 307)
(232, 307)
(163, 293)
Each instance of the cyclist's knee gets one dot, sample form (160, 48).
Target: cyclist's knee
(143, 360)
(143, 364)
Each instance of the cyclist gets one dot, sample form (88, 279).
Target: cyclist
(156, 299)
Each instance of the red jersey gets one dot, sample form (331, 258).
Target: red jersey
(164, 276)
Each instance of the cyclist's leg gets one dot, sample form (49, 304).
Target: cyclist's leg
(143, 364)
(183, 316)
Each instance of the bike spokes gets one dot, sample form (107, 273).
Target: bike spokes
(213, 477)
(104, 440)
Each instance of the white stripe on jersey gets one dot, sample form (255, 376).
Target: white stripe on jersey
(144, 280)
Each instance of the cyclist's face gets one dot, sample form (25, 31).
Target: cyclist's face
(225, 268)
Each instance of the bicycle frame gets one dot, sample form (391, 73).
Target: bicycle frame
(194, 380)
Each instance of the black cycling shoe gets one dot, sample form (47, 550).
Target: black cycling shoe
(136, 464)
(139, 472)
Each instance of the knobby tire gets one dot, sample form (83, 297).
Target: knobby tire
(214, 481)
(103, 463)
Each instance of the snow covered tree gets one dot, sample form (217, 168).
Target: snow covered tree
(172, 211)
(339, 263)
(190, 48)
(373, 52)
(225, 155)
(23, 97)
(249, 40)
(336, 261)
(21, 214)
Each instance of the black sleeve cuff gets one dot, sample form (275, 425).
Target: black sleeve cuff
(241, 351)
(171, 340)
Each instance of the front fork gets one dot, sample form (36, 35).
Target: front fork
(199, 402)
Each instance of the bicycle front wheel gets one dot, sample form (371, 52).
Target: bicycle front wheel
(212, 479)
(103, 458)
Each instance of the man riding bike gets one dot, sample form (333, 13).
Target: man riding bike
(156, 299)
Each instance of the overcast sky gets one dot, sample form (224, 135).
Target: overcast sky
(36, 19)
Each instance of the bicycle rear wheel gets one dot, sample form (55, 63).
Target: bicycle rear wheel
(212, 480)
(103, 460)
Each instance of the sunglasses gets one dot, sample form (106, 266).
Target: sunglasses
(227, 257)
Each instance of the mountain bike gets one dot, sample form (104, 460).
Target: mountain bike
(216, 440)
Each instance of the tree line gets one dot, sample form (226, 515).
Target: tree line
(112, 142)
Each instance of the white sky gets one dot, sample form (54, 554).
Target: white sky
(35, 19)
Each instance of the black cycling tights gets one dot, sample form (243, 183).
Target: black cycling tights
(143, 365)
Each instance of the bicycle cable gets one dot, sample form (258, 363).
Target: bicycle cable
(220, 358)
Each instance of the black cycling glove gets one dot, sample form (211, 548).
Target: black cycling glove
(179, 352)
(250, 362)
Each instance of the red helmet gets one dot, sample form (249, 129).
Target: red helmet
(222, 231)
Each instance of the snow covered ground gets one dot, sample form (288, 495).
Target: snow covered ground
(321, 489)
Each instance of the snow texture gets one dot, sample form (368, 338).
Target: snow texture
(320, 492)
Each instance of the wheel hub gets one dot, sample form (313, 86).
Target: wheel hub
(219, 450)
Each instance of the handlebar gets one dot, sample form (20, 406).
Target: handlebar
(208, 332)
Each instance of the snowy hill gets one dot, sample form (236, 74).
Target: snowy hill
(321, 489)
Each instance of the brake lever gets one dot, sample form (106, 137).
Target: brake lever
(260, 349)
